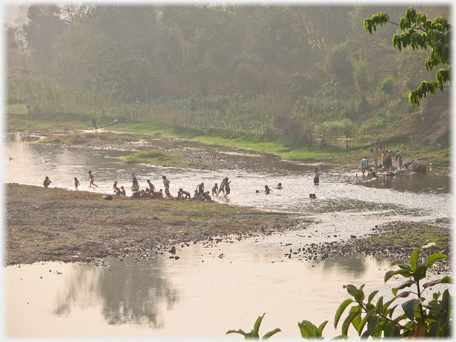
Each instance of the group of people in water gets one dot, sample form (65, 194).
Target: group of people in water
(152, 192)
(386, 164)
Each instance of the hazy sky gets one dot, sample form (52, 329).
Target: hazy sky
(11, 12)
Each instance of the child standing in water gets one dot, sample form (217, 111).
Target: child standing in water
(267, 190)
(215, 190)
(221, 188)
(135, 184)
(91, 178)
(46, 182)
(227, 186)
(76, 183)
(317, 176)
(200, 188)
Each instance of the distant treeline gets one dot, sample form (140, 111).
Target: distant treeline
(288, 65)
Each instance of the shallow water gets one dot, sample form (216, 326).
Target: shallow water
(198, 296)
(202, 294)
(337, 191)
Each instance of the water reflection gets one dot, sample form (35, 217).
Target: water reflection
(416, 182)
(131, 291)
(354, 266)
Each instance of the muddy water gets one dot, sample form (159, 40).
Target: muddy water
(210, 290)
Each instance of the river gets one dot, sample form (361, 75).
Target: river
(203, 295)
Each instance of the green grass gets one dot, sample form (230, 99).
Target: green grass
(154, 129)
(414, 236)
(47, 122)
(92, 138)
(197, 165)
(153, 157)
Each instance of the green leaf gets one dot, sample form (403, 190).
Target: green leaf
(356, 321)
(348, 320)
(269, 334)
(439, 281)
(341, 309)
(321, 327)
(365, 320)
(401, 264)
(434, 257)
(403, 272)
(256, 328)
(420, 273)
(403, 295)
(408, 283)
(414, 259)
(372, 295)
(389, 312)
(379, 305)
(371, 325)
(236, 331)
(351, 289)
(409, 308)
(340, 337)
(308, 329)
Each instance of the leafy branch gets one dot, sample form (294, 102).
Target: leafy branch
(436, 36)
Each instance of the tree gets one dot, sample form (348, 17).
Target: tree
(434, 35)
(42, 31)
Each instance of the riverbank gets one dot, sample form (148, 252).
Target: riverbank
(77, 226)
(60, 225)
(74, 135)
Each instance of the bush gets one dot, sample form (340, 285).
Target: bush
(418, 320)
(388, 84)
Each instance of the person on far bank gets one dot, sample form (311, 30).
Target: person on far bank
(317, 176)
(94, 124)
(364, 166)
